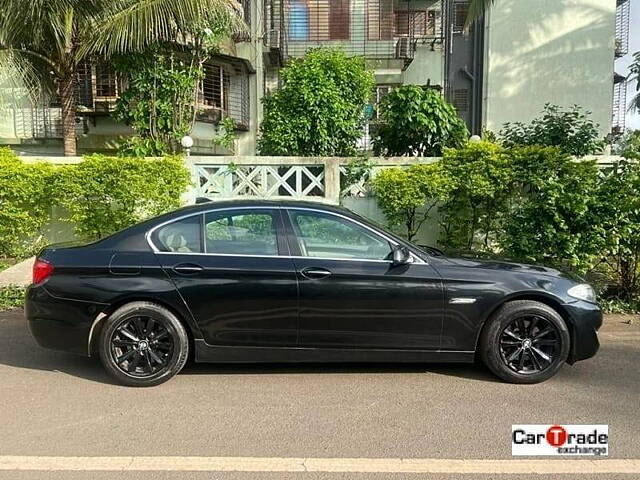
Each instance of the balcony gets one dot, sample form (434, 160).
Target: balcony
(375, 29)
(623, 11)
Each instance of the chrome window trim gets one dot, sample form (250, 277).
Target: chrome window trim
(416, 260)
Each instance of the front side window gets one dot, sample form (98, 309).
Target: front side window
(241, 233)
(328, 236)
(182, 236)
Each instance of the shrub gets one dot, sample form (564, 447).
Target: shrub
(320, 108)
(106, 194)
(572, 131)
(11, 296)
(619, 211)
(417, 121)
(473, 215)
(628, 146)
(554, 200)
(409, 196)
(25, 204)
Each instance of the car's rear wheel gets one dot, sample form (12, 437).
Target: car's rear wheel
(525, 342)
(143, 344)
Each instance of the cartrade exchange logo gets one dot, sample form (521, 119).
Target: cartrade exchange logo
(560, 440)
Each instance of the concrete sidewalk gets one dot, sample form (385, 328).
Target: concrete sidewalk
(18, 274)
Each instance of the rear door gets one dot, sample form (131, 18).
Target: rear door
(233, 270)
(351, 293)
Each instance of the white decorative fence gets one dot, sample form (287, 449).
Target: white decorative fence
(311, 178)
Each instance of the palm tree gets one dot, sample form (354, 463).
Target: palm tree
(43, 42)
(476, 10)
(634, 76)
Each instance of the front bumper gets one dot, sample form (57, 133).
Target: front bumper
(60, 323)
(585, 319)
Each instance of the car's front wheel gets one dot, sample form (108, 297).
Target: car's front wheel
(525, 342)
(143, 344)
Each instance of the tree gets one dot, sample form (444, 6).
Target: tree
(571, 130)
(417, 121)
(634, 76)
(43, 42)
(477, 8)
(320, 108)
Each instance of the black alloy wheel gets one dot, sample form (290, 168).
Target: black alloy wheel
(529, 344)
(525, 341)
(143, 344)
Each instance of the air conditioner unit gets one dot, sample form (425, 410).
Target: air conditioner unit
(273, 38)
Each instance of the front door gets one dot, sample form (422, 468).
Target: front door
(352, 295)
(233, 270)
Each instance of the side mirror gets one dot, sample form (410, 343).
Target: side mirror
(402, 256)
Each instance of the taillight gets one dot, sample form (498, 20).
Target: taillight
(41, 270)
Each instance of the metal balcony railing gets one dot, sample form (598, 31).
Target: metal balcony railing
(623, 14)
(376, 29)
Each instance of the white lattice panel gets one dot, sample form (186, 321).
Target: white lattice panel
(265, 181)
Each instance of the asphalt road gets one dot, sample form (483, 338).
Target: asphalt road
(53, 404)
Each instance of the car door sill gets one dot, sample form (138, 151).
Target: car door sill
(207, 353)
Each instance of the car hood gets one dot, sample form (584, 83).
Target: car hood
(507, 266)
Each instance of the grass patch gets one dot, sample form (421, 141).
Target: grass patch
(11, 297)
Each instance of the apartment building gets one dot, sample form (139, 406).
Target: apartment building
(523, 54)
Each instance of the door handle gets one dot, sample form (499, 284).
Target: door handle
(313, 273)
(187, 268)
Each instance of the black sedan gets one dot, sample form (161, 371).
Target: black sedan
(264, 281)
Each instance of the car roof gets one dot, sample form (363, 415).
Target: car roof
(257, 202)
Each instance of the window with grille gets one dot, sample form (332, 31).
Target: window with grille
(224, 92)
(318, 20)
(380, 19)
(460, 12)
(106, 81)
(416, 23)
(215, 87)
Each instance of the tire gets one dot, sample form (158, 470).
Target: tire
(525, 342)
(143, 344)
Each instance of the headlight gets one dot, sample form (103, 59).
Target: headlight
(583, 291)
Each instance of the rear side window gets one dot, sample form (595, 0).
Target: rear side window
(182, 236)
(246, 232)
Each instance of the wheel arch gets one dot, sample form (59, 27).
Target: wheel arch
(94, 334)
(541, 297)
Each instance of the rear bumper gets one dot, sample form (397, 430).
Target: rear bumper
(59, 323)
(586, 319)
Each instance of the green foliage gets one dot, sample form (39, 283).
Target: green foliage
(553, 203)
(473, 215)
(320, 108)
(25, 204)
(628, 146)
(408, 196)
(227, 138)
(158, 102)
(106, 194)
(634, 76)
(570, 130)
(357, 171)
(619, 211)
(11, 296)
(417, 121)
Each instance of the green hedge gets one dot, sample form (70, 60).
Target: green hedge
(25, 203)
(106, 194)
(534, 204)
(101, 195)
